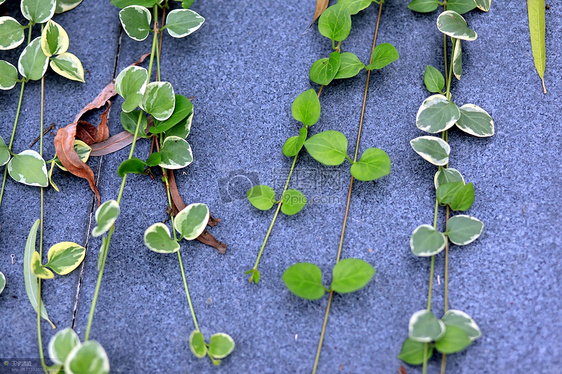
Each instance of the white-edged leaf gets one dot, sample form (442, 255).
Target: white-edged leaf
(220, 345)
(159, 100)
(192, 220)
(131, 85)
(11, 33)
(483, 5)
(175, 153)
(28, 167)
(106, 215)
(2, 282)
(38, 11)
(437, 114)
(32, 62)
(87, 358)
(157, 238)
(66, 5)
(454, 25)
(475, 121)
(182, 22)
(463, 229)
(424, 327)
(61, 344)
(68, 66)
(432, 149)
(8, 75)
(426, 241)
(454, 317)
(136, 20)
(197, 344)
(447, 175)
(54, 39)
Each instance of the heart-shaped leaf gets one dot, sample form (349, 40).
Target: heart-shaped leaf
(373, 164)
(182, 22)
(220, 345)
(423, 6)
(88, 358)
(432, 149)
(136, 21)
(8, 75)
(106, 214)
(383, 55)
(437, 114)
(192, 220)
(32, 62)
(350, 275)
(454, 340)
(54, 39)
(159, 100)
(328, 147)
(261, 197)
(463, 229)
(61, 344)
(475, 121)
(175, 153)
(454, 25)
(447, 175)
(350, 65)
(424, 327)
(157, 239)
(64, 257)
(131, 85)
(335, 23)
(293, 202)
(294, 144)
(11, 33)
(38, 11)
(460, 319)
(28, 167)
(306, 107)
(412, 352)
(68, 66)
(38, 269)
(304, 280)
(433, 79)
(324, 70)
(197, 344)
(426, 241)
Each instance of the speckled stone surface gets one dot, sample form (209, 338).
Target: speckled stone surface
(244, 67)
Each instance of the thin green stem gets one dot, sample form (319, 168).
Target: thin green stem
(425, 358)
(187, 293)
(449, 78)
(107, 241)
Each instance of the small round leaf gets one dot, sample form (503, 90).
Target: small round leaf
(220, 345)
(261, 197)
(304, 280)
(28, 167)
(293, 202)
(197, 344)
(432, 149)
(11, 33)
(426, 241)
(192, 220)
(64, 257)
(182, 22)
(328, 147)
(61, 344)
(373, 164)
(294, 144)
(324, 70)
(159, 100)
(460, 319)
(475, 121)
(136, 21)
(38, 11)
(437, 114)
(423, 6)
(454, 340)
(463, 198)
(131, 85)
(454, 25)
(433, 79)
(350, 275)
(350, 65)
(54, 39)
(383, 55)
(68, 66)
(306, 107)
(88, 358)
(424, 327)
(32, 62)
(106, 215)
(182, 109)
(412, 352)
(335, 23)
(8, 75)
(355, 6)
(447, 175)
(175, 153)
(463, 229)
(157, 239)
(131, 166)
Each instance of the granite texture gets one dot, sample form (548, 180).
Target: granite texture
(244, 67)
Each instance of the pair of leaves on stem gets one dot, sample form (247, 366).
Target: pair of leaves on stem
(68, 353)
(452, 334)
(190, 222)
(459, 6)
(136, 20)
(220, 346)
(263, 198)
(349, 275)
(347, 65)
(461, 229)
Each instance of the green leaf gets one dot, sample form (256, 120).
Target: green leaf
(350, 275)
(383, 55)
(175, 153)
(447, 175)
(11, 33)
(129, 122)
(454, 25)
(66, 5)
(335, 23)
(304, 280)
(61, 344)
(461, 6)
(159, 100)
(261, 197)
(454, 340)
(463, 198)
(437, 114)
(136, 21)
(2, 282)
(197, 344)
(426, 241)
(475, 121)
(293, 202)
(31, 282)
(64, 257)
(255, 277)
(424, 327)
(157, 238)
(38, 269)
(182, 129)
(328, 147)
(182, 109)
(4, 153)
(432, 149)
(8, 75)
(294, 144)
(38, 11)
(306, 108)
(457, 59)
(433, 79)
(447, 191)
(373, 164)
(131, 85)
(324, 70)
(460, 319)
(483, 5)
(192, 220)
(28, 167)
(463, 229)
(54, 39)
(88, 358)
(82, 149)
(126, 3)
(106, 215)
(423, 6)
(412, 352)
(355, 6)
(187, 3)
(182, 22)
(68, 66)
(32, 62)
(132, 165)
(350, 65)
(220, 345)
(154, 159)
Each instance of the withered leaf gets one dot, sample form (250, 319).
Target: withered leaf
(210, 240)
(321, 6)
(113, 144)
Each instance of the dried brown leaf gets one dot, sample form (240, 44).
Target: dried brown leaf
(321, 6)
(402, 370)
(113, 144)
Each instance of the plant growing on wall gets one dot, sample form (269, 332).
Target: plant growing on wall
(456, 330)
